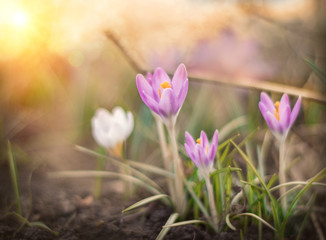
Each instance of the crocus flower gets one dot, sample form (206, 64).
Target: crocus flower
(163, 96)
(201, 152)
(278, 115)
(110, 129)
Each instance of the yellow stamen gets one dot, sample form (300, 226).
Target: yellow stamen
(206, 149)
(164, 85)
(277, 110)
(198, 141)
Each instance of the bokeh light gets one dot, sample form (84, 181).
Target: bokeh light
(20, 19)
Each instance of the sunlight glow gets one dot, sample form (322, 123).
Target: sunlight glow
(20, 19)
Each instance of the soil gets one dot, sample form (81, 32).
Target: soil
(68, 208)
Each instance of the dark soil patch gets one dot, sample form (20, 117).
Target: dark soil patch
(68, 208)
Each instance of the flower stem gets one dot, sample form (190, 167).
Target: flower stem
(165, 153)
(212, 205)
(178, 174)
(282, 174)
(98, 180)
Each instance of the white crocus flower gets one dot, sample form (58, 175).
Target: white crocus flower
(110, 129)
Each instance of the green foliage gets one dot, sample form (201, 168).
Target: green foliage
(14, 178)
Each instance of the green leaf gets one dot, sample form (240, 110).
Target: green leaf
(173, 217)
(145, 201)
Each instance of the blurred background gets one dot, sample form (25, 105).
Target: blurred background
(62, 59)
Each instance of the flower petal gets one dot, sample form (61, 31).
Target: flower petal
(115, 135)
(267, 101)
(263, 110)
(213, 148)
(284, 102)
(191, 153)
(295, 111)
(272, 122)
(215, 138)
(151, 103)
(149, 77)
(285, 116)
(212, 153)
(97, 132)
(179, 77)
(159, 77)
(190, 141)
(119, 116)
(143, 86)
(130, 125)
(204, 139)
(168, 105)
(201, 156)
(183, 93)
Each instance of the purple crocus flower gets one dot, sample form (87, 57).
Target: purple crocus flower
(278, 115)
(201, 152)
(163, 96)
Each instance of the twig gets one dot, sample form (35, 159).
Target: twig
(243, 83)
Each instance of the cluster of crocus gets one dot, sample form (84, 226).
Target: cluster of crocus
(278, 115)
(111, 129)
(201, 152)
(163, 96)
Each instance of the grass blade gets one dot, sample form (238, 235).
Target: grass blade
(42, 225)
(228, 222)
(320, 73)
(317, 177)
(184, 223)
(118, 163)
(306, 218)
(145, 201)
(14, 178)
(232, 125)
(33, 224)
(173, 217)
(197, 200)
(106, 174)
(150, 168)
(257, 217)
(273, 200)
